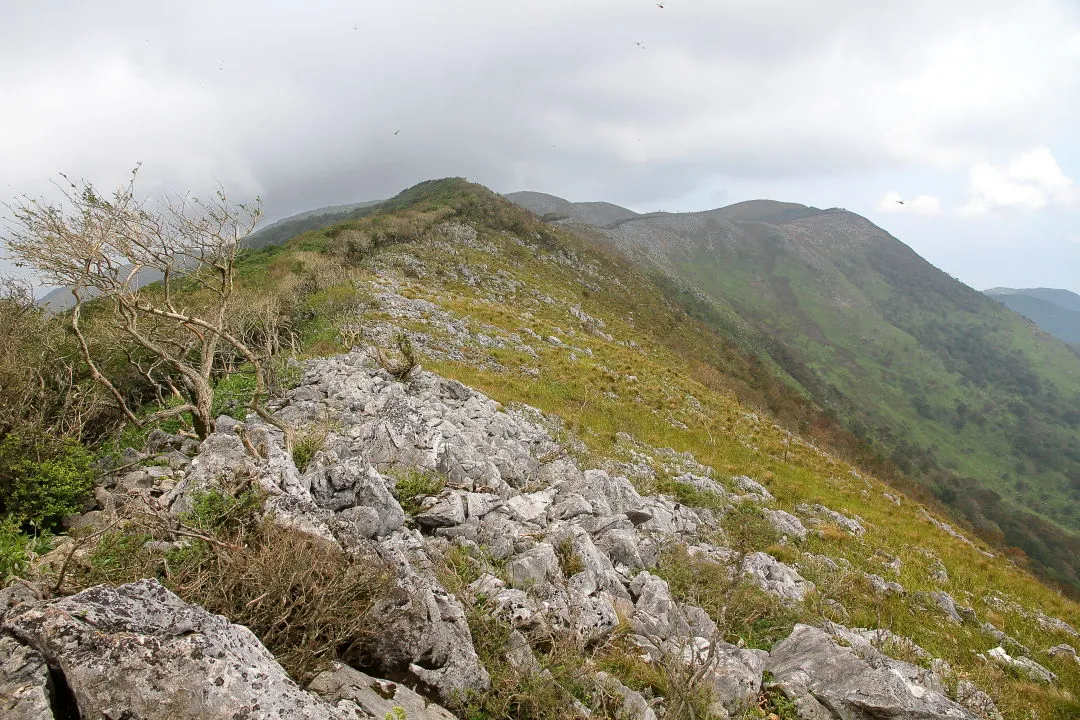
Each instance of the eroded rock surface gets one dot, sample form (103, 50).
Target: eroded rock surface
(828, 681)
(140, 651)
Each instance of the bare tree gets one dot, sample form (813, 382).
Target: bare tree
(173, 330)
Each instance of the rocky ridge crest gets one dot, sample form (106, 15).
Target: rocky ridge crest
(514, 499)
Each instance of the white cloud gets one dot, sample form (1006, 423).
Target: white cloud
(1031, 181)
(895, 203)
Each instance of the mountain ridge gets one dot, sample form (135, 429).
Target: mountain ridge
(943, 380)
(581, 482)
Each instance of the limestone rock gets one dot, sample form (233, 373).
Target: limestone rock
(377, 698)
(776, 578)
(140, 651)
(786, 524)
(827, 681)
(26, 690)
(1064, 651)
(1024, 665)
(820, 513)
(735, 675)
(534, 567)
(976, 700)
(626, 703)
(447, 511)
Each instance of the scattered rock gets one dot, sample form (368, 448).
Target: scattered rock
(820, 514)
(786, 524)
(626, 703)
(1025, 665)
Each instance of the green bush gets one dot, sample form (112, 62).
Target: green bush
(232, 395)
(44, 485)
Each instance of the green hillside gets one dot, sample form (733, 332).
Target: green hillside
(947, 384)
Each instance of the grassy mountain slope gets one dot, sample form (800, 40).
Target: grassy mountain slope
(947, 383)
(529, 312)
(1055, 311)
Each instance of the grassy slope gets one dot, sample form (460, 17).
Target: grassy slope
(660, 370)
(948, 383)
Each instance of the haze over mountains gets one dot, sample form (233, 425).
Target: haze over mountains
(950, 385)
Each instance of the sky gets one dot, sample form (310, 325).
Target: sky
(955, 126)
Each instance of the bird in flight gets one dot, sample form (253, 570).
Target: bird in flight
(660, 5)
(899, 201)
(640, 45)
(396, 132)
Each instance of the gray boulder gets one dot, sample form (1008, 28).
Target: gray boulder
(1024, 665)
(830, 682)
(735, 675)
(776, 578)
(786, 524)
(621, 700)
(26, 691)
(534, 568)
(447, 511)
(140, 651)
(377, 698)
(818, 513)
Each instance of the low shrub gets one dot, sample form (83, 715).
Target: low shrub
(44, 485)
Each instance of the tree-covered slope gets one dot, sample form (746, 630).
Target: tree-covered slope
(950, 385)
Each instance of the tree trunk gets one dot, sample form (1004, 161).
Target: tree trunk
(202, 416)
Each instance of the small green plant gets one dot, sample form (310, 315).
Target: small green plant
(396, 713)
(17, 547)
(406, 362)
(459, 568)
(747, 528)
(569, 558)
(215, 510)
(771, 704)
(282, 375)
(414, 484)
(310, 442)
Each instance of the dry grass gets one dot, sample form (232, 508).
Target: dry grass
(309, 602)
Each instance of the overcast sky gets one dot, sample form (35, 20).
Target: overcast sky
(968, 111)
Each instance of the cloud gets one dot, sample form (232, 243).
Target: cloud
(894, 203)
(1031, 181)
(553, 95)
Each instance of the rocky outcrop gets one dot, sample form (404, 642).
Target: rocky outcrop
(558, 549)
(1023, 665)
(828, 681)
(26, 690)
(140, 651)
